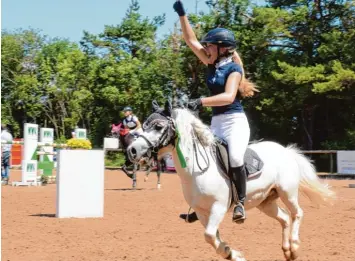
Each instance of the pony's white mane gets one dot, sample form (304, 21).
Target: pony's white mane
(189, 127)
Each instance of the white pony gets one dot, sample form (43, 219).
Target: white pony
(286, 172)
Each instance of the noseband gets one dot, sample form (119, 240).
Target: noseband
(168, 136)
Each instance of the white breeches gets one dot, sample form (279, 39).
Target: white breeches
(234, 129)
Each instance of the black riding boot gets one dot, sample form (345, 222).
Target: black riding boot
(189, 218)
(239, 178)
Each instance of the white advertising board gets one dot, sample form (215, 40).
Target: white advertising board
(346, 162)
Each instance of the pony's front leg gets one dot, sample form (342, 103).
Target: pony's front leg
(149, 163)
(125, 165)
(211, 224)
(134, 184)
(147, 173)
(159, 169)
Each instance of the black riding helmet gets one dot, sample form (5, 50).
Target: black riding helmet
(221, 37)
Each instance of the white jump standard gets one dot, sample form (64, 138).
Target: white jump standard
(30, 153)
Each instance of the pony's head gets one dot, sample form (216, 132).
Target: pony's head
(159, 132)
(162, 126)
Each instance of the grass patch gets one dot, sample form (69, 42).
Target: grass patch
(114, 159)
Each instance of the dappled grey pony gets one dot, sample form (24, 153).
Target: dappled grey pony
(126, 139)
(206, 188)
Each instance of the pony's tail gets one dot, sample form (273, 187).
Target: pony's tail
(310, 185)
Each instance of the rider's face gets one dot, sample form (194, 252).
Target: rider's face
(127, 113)
(212, 52)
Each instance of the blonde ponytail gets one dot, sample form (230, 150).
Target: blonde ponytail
(246, 87)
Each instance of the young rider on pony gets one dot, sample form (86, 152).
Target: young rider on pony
(131, 121)
(227, 83)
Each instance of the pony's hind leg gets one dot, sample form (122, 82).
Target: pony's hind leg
(149, 164)
(290, 199)
(211, 224)
(270, 208)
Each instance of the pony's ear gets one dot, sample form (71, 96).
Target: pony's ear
(155, 106)
(168, 107)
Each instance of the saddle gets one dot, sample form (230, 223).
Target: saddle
(253, 163)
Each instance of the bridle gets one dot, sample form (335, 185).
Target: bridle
(168, 136)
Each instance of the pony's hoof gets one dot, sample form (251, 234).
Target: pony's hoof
(287, 254)
(134, 185)
(294, 255)
(294, 250)
(239, 221)
(237, 256)
(145, 178)
(158, 186)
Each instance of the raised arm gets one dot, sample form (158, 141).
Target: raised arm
(188, 33)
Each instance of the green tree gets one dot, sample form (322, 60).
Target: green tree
(302, 36)
(20, 95)
(299, 53)
(64, 93)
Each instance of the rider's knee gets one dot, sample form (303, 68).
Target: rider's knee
(236, 160)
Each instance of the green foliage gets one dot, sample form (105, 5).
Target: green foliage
(60, 140)
(114, 159)
(338, 80)
(300, 54)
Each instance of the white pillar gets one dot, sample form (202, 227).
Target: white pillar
(29, 155)
(30, 141)
(80, 183)
(47, 136)
(80, 133)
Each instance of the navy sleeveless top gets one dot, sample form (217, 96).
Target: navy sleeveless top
(217, 76)
(130, 122)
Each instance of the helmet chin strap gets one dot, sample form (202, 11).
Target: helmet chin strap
(218, 59)
(218, 54)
